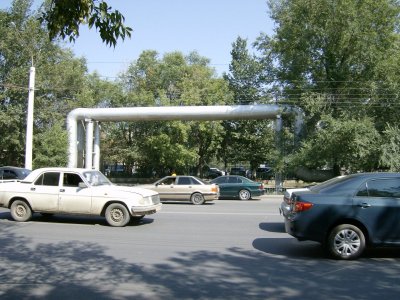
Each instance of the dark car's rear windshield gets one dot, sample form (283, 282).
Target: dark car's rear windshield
(330, 183)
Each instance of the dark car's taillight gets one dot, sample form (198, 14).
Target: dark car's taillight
(261, 187)
(300, 206)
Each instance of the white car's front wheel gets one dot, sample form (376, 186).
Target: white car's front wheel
(21, 211)
(117, 215)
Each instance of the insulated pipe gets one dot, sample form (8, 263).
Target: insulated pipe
(96, 156)
(166, 113)
(89, 144)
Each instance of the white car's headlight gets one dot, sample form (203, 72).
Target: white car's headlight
(149, 200)
(144, 201)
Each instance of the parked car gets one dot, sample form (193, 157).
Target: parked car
(238, 187)
(238, 171)
(346, 214)
(13, 173)
(184, 188)
(76, 191)
(214, 173)
(264, 173)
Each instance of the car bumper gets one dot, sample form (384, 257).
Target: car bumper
(145, 210)
(303, 231)
(290, 228)
(284, 209)
(210, 197)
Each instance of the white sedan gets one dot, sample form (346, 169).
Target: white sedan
(76, 191)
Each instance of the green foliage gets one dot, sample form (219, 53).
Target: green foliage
(172, 80)
(338, 61)
(50, 147)
(391, 148)
(248, 142)
(61, 84)
(64, 17)
(349, 144)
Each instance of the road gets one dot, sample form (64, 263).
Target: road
(225, 250)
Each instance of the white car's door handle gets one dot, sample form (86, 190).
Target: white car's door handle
(33, 189)
(62, 190)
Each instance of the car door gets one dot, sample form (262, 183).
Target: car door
(232, 186)
(43, 193)
(166, 188)
(72, 198)
(377, 205)
(184, 187)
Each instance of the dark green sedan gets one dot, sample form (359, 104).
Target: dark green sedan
(234, 186)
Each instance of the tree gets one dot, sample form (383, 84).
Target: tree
(391, 148)
(64, 17)
(249, 79)
(61, 85)
(351, 144)
(174, 79)
(337, 60)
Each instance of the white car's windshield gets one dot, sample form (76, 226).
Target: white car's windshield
(96, 178)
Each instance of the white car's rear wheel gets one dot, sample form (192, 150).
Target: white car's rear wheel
(21, 211)
(117, 215)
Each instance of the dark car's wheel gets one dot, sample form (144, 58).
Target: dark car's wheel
(117, 215)
(21, 211)
(346, 242)
(244, 195)
(197, 199)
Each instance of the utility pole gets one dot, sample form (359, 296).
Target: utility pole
(31, 97)
(29, 119)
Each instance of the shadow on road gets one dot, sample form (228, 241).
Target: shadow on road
(74, 219)
(277, 268)
(273, 227)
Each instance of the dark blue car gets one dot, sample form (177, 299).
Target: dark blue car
(347, 213)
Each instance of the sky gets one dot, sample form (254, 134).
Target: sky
(207, 26)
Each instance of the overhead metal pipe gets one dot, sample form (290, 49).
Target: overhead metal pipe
(166, 113)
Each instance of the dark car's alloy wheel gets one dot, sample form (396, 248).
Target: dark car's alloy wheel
(244, 195)
(346, 242)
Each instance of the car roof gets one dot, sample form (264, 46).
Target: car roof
(34, 174)
(12, 168)
(357, 178)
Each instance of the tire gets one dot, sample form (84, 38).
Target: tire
(117, 215)
(197, 199)
(244, 195)
(346, 242)
(21, 211)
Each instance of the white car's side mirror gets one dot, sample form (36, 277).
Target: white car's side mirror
(82, 185)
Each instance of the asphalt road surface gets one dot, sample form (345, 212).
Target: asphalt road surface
(229, 249)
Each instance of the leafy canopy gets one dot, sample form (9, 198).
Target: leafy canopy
(63, 18)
